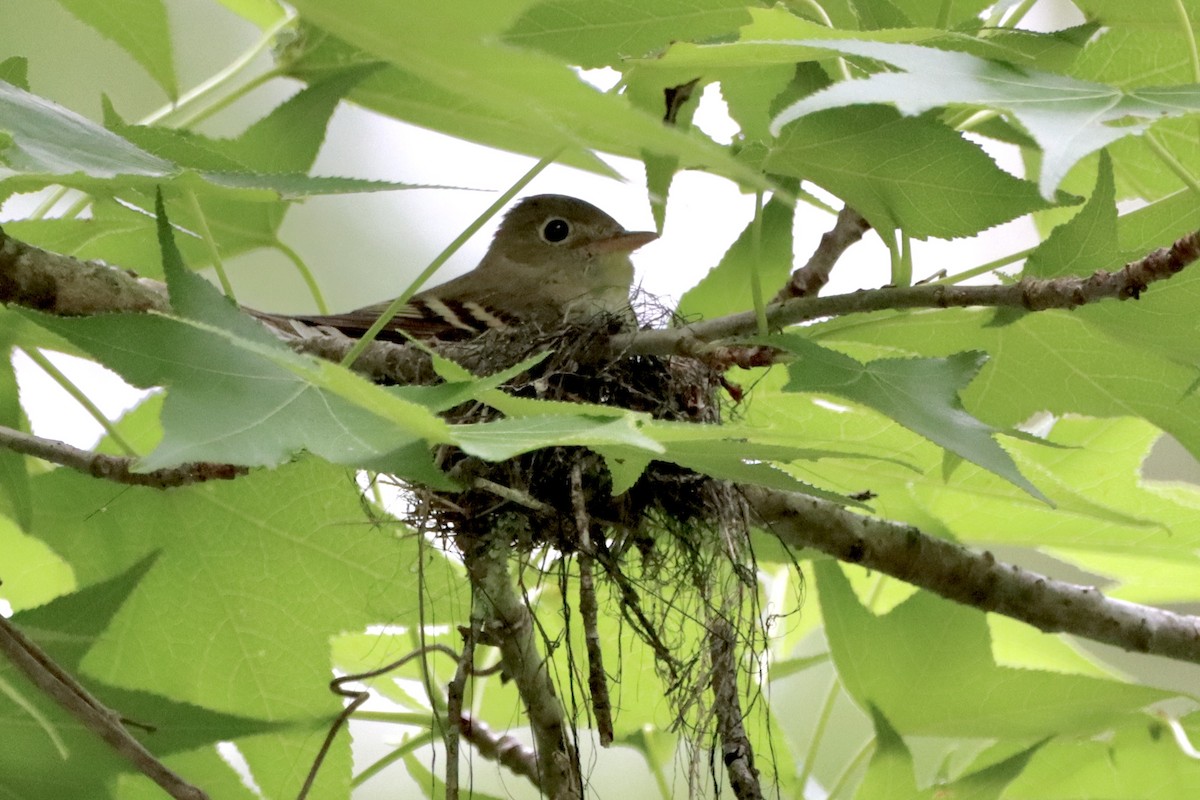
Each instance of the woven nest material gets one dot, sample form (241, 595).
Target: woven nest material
(530, 498)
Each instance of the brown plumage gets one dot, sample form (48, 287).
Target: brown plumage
(554, 259)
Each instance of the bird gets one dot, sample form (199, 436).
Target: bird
(554, 259)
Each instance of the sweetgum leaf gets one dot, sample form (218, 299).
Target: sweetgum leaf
(31, 765)
(902, 172)
(140, 28)
(942, 679)
(1088, 241)
(1069, 118)
(919, 393)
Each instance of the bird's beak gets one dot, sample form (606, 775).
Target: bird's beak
(623, 242)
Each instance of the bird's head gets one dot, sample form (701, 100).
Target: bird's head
(570, 235)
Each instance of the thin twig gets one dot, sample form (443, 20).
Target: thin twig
(588, 610)
(357, 697)
(736, 750)
(454, 706)
(504, 750)
(119, 469)
(812, 277)
(62, 687)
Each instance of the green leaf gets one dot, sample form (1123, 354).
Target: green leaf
(507, 438)
(890, 773)
(775, 35)
(291, 544)
(941, 679)
(1140, 760)
(66, 629)
(404, 95)
(942, 15)
(876, 15)
(50, 139)
(596, 33)
(902, 172)
(1088, 241)
(285, 141)
(140, 28)
(14, 477)
(33, 573)
(1059, 362)
(457, 51)
(726, 287)
(261, 12)
(1069, 118)
(231, 400)
(920, 394)
(1094, 476)
(15, 70)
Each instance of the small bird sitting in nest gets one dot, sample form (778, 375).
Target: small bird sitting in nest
(554, 260)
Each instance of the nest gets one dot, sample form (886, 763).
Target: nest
(673, 549)
(532, 499)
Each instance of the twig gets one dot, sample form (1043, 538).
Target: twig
(58, 284)
(454, 705)
(974, 578)
(357, 697)
(61, 687)
(505, 750)
(812, 277)
(597, 679)
(736, 750)
(1031, 294)
(118, 469)
(510, 626)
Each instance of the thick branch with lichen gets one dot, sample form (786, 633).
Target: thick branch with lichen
(974, 578)
(509, 625)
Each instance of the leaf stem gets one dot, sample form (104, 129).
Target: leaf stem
(760, 308)
(864, 752)
(1185, 24)
(210, 243)
(999, 19)
(42, 721)
(221, 78)
(47, 366)
(1168, 158)
(309, 279)
(392, 757)
(983, 269)
(198, 116)
(810, 756)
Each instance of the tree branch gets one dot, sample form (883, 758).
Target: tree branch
(1031, 294)
(510, 627)
(736, 751)
(118, 469)
(504, 750)
(972, 578)
(62, 687)
(812, 277)
(58, 284)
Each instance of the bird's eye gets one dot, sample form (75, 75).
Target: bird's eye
(556, 230)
